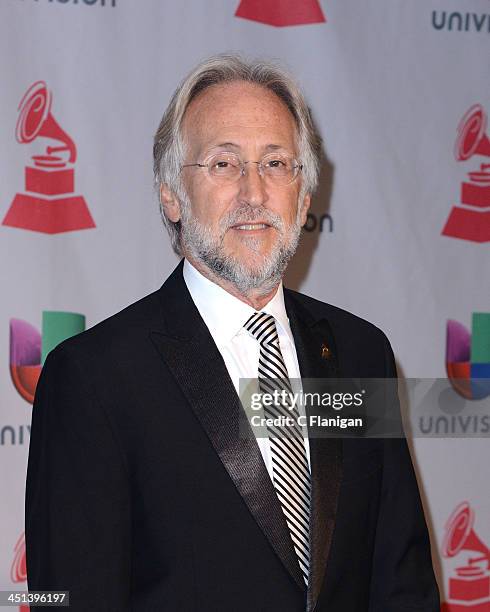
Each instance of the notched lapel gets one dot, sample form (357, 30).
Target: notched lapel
(311, 337)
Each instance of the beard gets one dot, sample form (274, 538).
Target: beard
(260, 272)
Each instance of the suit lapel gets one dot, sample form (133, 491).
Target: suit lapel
(190, 353)
(317, 357)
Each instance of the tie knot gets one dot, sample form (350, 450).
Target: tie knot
(262, 326)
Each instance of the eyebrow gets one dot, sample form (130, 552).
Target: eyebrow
(221, 145)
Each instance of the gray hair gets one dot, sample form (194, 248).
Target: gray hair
(169, 148)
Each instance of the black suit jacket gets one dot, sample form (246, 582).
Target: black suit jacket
(142, 496)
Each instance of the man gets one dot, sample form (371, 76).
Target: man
(141, 493)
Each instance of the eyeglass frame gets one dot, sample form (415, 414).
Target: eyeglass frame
(297, 167)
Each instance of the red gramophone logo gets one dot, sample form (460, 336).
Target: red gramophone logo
(18, 571)
(470, 220)
(48, 204)
(281, 13)
(469, 586)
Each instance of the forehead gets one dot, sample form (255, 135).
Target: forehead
(241, 113)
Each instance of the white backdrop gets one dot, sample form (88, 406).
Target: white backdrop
(388, 83)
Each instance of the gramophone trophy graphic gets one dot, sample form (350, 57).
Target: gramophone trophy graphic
(470, 220)
(469, 587)
(281, 13)
(48, 204)
(18, 571)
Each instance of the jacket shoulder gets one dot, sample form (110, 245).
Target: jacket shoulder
(362, 348)
(120, 330)
(340, 320)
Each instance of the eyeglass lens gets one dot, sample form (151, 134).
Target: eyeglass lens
(228, 166)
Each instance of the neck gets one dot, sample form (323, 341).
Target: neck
(255, 298)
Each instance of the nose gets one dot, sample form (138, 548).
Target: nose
(252, 186)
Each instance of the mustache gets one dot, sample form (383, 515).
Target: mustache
(249, 214)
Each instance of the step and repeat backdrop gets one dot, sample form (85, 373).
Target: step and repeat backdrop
(399, 232)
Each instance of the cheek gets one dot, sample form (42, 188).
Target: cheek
(210, 204)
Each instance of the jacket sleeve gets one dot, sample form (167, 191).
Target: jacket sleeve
(77, 494)
(402, 577)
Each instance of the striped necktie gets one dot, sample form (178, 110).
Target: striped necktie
(290, 472)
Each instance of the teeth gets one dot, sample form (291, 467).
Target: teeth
(251, 226)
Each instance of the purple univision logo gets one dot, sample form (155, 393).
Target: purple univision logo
(29, 347)
(468, 356)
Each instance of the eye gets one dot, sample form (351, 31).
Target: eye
(274, 163)
(277, 165)
(223, 163)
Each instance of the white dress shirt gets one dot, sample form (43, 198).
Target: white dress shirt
(225, 316)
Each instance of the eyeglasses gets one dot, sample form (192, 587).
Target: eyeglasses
(224, 168)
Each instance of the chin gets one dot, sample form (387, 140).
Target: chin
(253, 252)
(251, 261)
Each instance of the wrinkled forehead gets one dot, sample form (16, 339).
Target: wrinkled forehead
(241, 113)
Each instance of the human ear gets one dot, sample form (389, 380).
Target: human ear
(170, 203)
(305, 207)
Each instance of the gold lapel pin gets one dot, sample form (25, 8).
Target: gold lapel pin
(326, 352)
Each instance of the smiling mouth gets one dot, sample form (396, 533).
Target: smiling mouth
(251, 226)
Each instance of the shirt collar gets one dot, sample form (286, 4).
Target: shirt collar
(223, 313)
